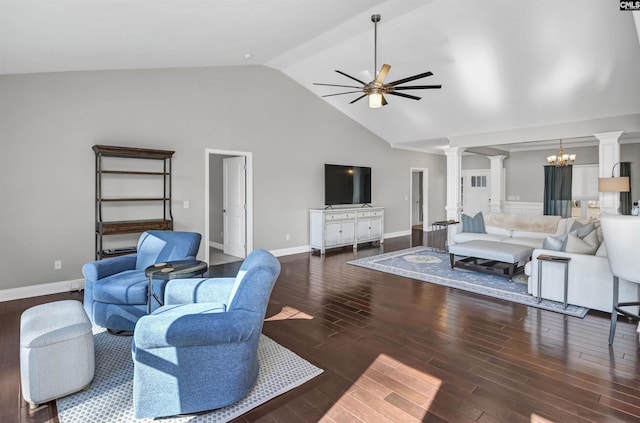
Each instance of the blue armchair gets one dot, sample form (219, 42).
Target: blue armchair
(199, 351)
(115, 291)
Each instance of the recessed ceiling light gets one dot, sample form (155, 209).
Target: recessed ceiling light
(248, 55)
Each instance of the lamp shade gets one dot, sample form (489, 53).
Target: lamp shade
(375, 100)
(614, 184)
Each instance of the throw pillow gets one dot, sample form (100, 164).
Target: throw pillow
(473, 224)
(587, 245)
(582, 229)
(555, 243)
(602, 250)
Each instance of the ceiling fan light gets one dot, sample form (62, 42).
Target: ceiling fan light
(375, 100)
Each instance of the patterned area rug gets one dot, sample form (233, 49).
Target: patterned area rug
(428, 266)
(109, 398)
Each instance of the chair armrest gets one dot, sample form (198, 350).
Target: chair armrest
(202, 329)
(100, 269)
(198, 290)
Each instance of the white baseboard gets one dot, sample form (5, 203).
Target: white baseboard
(42, 289)
(397, 234)
(78, 284)
(216, 245)
(292, 250)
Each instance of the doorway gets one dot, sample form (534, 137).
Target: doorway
(228, 234)
(418, 215)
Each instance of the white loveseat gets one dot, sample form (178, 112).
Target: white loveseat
(590, 281)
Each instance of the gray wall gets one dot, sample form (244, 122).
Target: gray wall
(524, 171)
(48, 123)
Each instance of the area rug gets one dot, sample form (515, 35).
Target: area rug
(423, 264)
(109, 399)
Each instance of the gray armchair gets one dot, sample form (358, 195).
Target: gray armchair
(199, 351)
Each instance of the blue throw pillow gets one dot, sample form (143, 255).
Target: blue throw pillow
(473, 224)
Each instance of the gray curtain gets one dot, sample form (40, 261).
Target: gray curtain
(557, 190)
(625, 197)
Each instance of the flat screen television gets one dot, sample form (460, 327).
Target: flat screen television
(346, 185)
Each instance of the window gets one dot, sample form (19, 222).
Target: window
(479, 181)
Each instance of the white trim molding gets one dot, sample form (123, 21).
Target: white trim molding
(42, 289)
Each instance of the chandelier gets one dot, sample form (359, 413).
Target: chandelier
(561, 159)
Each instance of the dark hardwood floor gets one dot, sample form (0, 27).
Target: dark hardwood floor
(399, 350)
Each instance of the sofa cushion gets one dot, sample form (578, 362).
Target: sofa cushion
(470, 236)
(129, 287)
(497, 230)
(524, 222)
(529, 234)
(473, 224)
(526, 241)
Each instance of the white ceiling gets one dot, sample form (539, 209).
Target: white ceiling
(503, 64)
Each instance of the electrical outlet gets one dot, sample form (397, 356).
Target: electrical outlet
(57, 264)
(288, 237)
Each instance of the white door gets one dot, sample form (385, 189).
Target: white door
(476, 191)
(234, 206)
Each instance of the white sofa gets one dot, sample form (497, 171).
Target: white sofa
(590, 281)
(513, 228)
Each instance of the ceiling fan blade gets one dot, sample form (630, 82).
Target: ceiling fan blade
(351, 77)
(417, 87)
(409, 79)
(334, 85)
(384, 70)
(348, 92)
(384, 101)
(363, 95)
(412, 97)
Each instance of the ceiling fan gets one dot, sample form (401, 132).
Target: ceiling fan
(377, 89)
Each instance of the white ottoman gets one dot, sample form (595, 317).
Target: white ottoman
(56, 351)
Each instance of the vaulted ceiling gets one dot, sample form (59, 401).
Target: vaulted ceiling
(512, 71)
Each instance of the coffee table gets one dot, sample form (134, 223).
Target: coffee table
(496, 258)
(178, 269)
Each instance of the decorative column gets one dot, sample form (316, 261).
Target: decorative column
(454, 166)
(609, 155)
(497, 183)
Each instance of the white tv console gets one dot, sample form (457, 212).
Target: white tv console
(345, 226)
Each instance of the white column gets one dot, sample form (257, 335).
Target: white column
(609, 155)
(497, 183)
(454, 166)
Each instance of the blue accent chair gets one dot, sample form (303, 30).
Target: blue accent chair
(115, 291)
(199, 351)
